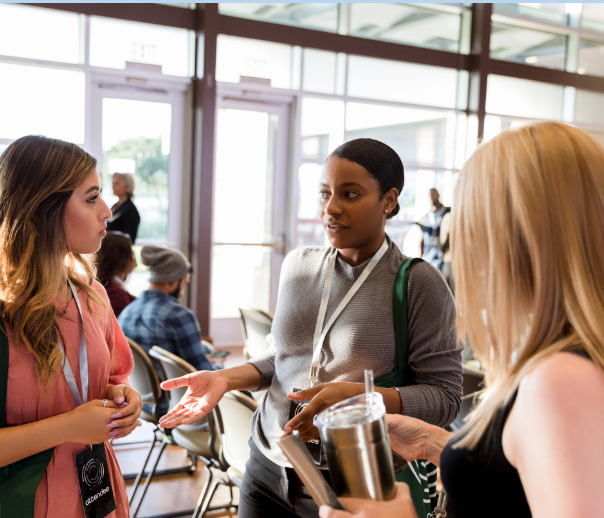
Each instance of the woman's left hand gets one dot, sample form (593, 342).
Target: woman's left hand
(125, 420)
(401, 506)
(323, 396)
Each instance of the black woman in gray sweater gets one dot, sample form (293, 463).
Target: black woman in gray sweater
(334, 318)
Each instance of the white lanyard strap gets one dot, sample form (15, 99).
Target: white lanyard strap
(321, 333)
(71, 382)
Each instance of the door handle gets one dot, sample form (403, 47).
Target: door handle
(276, 245)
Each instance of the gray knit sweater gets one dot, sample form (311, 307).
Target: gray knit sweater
(361, 338)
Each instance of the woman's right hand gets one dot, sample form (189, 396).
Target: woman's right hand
(205, 390)
(89, 423)
(414, 439)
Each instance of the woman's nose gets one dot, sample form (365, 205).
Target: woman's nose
(332, 207)
(106, 213)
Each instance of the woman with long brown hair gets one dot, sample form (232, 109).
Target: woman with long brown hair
(64, 361)
(528, 256)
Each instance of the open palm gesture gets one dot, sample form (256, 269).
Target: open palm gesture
(205, 390)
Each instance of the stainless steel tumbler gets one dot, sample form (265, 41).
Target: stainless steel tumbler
(357, 447)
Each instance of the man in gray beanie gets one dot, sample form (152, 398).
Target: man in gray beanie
(157, 318)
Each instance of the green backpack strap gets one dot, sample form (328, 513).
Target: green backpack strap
(420, 476)
(19, 481)
(402, 375)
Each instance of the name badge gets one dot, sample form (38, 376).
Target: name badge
(95, 484)
(314, 445)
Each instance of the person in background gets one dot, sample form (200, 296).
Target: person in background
(125, 216)
(445, 246)
(114, 262)
(529, 278)
(53, 314)
(158, 318)
(430, 224)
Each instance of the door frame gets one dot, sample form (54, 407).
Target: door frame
(174, 92)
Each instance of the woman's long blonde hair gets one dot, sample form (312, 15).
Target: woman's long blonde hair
(37, 177)
(528, 255)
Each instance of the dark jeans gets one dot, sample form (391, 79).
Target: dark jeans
(269, 490)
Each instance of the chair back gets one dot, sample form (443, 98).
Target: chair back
(256, 326)
(144, 379)
(471, 384)
(235, 412)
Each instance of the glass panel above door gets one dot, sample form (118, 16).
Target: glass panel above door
(113, 42)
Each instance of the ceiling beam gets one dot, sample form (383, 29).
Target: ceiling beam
(546, 75)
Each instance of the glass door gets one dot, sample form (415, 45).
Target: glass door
(140, 132)
(249, 211)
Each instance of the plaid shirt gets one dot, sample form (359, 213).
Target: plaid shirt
(159, 319)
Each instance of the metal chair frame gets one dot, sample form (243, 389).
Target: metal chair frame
(215, 460)
(152, 397)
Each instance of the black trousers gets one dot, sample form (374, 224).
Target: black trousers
(269, 490)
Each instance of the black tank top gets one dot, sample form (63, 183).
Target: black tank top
(481, 482)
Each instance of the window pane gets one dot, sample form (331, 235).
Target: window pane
(522, 98)
(402, 82)
(136, 139)
(3, 148)
(308, 191)
(27, 32)
(113, 42)
(555, 13)
(55, 109)
(311, 234)
(589, 108)
(238, 57)
(322, 126)
(527, 46)
(313, 16)
(494, 125)
(592, 17)
(591, 58)
(403, 23)
(420, 137)
(241, 276)
(244, 177)
(324, 72)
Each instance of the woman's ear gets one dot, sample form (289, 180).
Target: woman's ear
(391, 199)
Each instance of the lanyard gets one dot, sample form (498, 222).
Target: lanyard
(321, 333)
(71, 382)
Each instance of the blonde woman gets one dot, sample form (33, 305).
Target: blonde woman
(64, 362)
(125, 217)
(528, 256)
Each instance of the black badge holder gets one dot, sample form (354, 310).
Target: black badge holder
(95, 483)
(299, 456)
